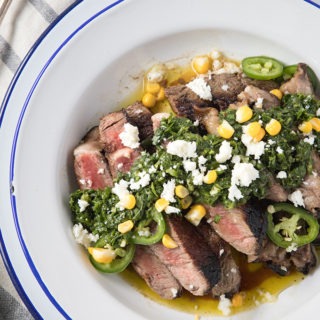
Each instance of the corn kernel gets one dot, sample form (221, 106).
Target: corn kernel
(277, 93)
(102, 255)
(186, 202)
(148, 100)
(225, 130)
(305, 127)
(161, 204)
(168, 242)
(195, 214)
(260, 135)
(273, 127)
(210, 177)
(243, 114)
(253, 129)
(315, 124)
(201, 64)
(152, 87)
(237, 300)
(125, 226)
(181, 191)
(128, 201)
(160, 95)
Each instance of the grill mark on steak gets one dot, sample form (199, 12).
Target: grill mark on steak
(244, 228)
(155, 273)
(90, 166)
(192, 263)
(230, 280)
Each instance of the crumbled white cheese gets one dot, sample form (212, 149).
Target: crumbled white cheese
(279, 150)
(225, 152)
(202, 160)
(82, 236)
(259, 103)
(121, 188)
(222, 167)
(215, 54)
(189, 165)
(225, 87)
(296, 198)
(243, 174)
(282, 175)
(234, 193)
(224, 305)
(82, 204)
(271, 142)
(130, 136)
(318, 113)
(228, 67)
(196, 123)
(216, 65)
(182, 148)
(293, 247)
(143, 182)
(200, 88)
(255, 149)
(152, 169)
(168, 191)
(101, 171)
(197, 177)
(144, 233)
(174, 292)
(171, 209)
(283, 268)
(236, 159)
(310, 139)
(221, 252)
(157, 73)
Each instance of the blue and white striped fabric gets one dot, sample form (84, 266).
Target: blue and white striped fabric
(21, 23)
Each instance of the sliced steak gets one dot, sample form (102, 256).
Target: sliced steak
(244, 227)
(139, 116)
(315, 161)
(299, 83)
(209, 118)
(276, 192)
(279, 260)
(252, 94)
(310, 190)
(121, 160)
(266, 85)
(90, 165)
(192, 263)
(156, 119)
(230, 274)
(155, 273)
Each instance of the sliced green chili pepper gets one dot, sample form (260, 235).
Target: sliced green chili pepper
(299, 229)
(289, 71)
(157, 235)
(262, 68)
(118, 264)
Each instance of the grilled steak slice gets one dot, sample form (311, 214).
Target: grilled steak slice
(183, 100)
(252, 94)
(90, 165)
(110, 127)
(121, 160)
(266, 85)
(192, 263)
(244, 227)
(310, 190)
(281, 261)
(139, 116)
(315, 161)
(229, 282)
(299, 83)
(156, 119)
(276, 192)
(155, 273)
(209, 118)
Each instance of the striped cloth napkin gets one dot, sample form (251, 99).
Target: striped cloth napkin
(21, 23)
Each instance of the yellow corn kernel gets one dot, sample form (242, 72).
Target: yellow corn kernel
(210, 177)
(305, 127)
(253, 129)
(237, 300)
(225, 130)
(315, 124)
(186, 202)
(168, 242)
(152, 87)
(102, 255)
(148, 100)
(161, 204)
(260, 135)
(125, 226)
(195, 214)
(161, 94)
(243, 114)
(277, 93)
(181, 191)
(128, 201)
(201, 64)
(273, 127)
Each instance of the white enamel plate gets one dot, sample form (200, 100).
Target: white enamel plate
(80, 69)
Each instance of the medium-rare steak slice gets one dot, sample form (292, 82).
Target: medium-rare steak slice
(155, 273)
(244, 227)
(276, 192)
(304, 259)
(310, 190)
(90, 165)
(230, 280)
(192, 263)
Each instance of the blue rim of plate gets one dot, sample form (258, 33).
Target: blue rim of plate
(313, 3)
(3, 251)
